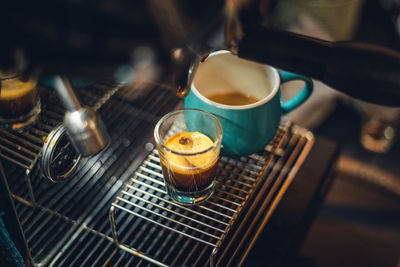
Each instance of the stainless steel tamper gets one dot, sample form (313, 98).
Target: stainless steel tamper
(84, 127)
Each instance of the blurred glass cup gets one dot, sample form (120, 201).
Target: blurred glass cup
(19, 100)
(188, 143)
(379, 127)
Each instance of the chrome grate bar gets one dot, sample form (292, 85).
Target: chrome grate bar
(193, 235)
(24, 148)
(93, 182)
(174, 204)
(172, 211)
(83, 202)
(79, 233)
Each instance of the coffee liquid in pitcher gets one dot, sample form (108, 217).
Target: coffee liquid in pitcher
(233, 99)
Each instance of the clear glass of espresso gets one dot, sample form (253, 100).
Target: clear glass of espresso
(19, 100)
(188, 143)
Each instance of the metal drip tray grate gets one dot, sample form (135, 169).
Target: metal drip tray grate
(69, 224)
(24, 148)
(146, 223)
(66, 224)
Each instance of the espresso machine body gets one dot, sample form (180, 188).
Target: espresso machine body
(93, 40)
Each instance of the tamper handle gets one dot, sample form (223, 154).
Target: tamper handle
(66, 93)
(84, 127)
(364, 71)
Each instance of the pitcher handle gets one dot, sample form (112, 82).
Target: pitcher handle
(301, 96)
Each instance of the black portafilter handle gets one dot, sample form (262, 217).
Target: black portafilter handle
(364, 71)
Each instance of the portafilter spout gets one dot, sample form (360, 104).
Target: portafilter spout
(186, 59)
(84, 127)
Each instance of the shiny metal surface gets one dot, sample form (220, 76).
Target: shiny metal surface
(24, 149)
(69, 224)
(59, 160)
(187, 60)
(168, 234)
(84, 127)
(86, 131)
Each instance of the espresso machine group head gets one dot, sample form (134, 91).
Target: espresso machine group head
(87, 38)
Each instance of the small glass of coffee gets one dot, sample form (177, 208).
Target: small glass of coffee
(19, 100)
(188, 143)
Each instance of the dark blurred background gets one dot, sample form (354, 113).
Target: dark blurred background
(359, 221)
